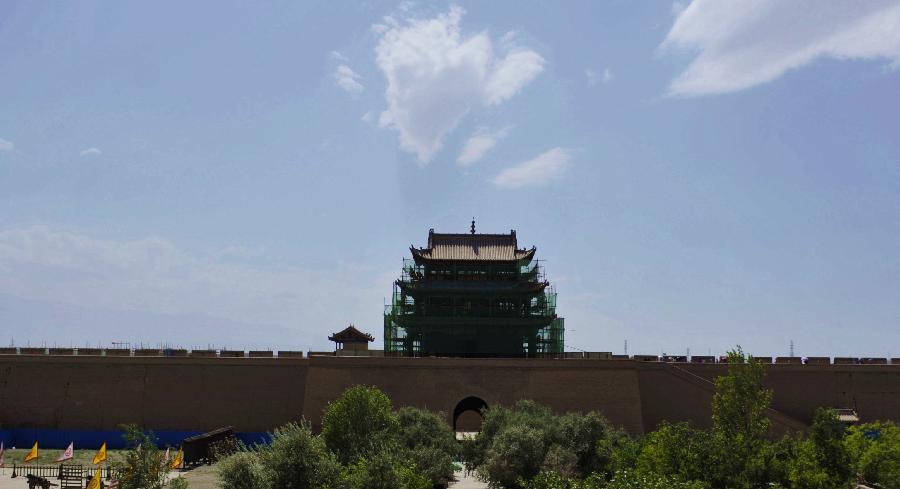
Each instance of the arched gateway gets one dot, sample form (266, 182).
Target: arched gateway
(467, 415)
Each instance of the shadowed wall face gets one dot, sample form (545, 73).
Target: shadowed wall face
(179, 394)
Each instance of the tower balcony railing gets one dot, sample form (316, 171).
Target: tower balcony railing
(528, 311)
(414, 273)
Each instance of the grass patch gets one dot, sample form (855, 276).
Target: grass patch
(49, 456)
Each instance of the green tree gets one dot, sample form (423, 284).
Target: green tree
(142, 466)
(517, 453)
(296, 459)
(429, 442)
(590, 437)
(357, 422)
(805, 471)
(874, 452)
(561, 461)
(827, 434)
(497, 419)
(676, 450)
(740, 424)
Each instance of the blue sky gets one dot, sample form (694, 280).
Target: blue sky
(695, 174)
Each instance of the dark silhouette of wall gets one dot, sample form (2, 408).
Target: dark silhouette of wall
(258, 394)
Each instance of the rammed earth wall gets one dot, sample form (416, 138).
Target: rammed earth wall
(185, 394)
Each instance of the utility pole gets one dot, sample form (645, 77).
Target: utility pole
(792, 348)
(626, 347)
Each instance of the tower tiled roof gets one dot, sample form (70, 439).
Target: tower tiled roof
(472, 247)
(350, 334)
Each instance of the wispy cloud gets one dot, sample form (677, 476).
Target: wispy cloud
(348, 79)
(337, 56)
(90, 152)
(743, 44)
(478, 145)
(6, 145)
(436, 75)
(594, 77)
(541, 170)
(154, 275)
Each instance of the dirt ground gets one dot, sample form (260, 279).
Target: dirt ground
(202, 477)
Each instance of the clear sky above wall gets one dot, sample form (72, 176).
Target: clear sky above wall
(695, 174)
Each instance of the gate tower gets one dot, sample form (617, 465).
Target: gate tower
(472, 295)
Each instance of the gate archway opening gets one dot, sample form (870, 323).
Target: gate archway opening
(467, 416)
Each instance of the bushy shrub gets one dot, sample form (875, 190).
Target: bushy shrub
(361, 419)
(629, 479)
(381, 469)
(516, 444)
(178, 483)
(142, 466)
(241, 470)
(552, 480)
(297, 459)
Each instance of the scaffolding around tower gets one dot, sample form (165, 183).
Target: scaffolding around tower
(473, 295)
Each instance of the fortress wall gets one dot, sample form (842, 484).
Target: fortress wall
(667, 396)
(439, 384)
(258, 394)
(100, 393)
(872, 390)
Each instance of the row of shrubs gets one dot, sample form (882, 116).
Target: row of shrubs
(528, 447)
(365, 444)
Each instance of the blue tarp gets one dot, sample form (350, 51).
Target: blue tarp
(25, 438)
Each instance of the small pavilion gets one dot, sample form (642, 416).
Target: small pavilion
(351, 338)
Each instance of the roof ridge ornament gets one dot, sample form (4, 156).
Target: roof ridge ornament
(473, 226)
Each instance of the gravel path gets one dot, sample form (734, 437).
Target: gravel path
(470, 482)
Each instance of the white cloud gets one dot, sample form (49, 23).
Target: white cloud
(512, 73)
(347, 79)
(6, 145)
(594, 77)
(153, 275)
(368, 117)
(90, 152)
(436, 75)
(478, 145)
(337, 56)
(545, 168)
(743, 44)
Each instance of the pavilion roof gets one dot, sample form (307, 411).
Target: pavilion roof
(472, 247)
(350, 334)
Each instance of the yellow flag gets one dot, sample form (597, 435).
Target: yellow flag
(101, 454)
(95, 481)
(178, 461)
(33, 454)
